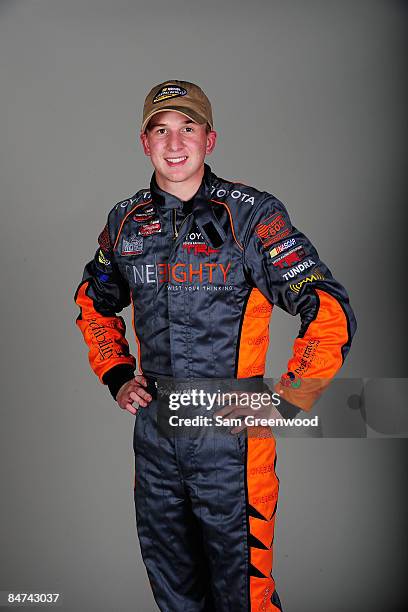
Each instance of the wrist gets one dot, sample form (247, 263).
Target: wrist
(116, 377)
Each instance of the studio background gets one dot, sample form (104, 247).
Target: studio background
(309, 102)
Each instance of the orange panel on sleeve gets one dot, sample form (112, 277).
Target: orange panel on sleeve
(317, 356)
(105, 336)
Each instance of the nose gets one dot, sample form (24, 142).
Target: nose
(174, 142)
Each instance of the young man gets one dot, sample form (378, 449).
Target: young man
(203, 260)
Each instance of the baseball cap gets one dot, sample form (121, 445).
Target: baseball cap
(181, 96)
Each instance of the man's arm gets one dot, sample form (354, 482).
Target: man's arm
(284, 265)
(103, 293)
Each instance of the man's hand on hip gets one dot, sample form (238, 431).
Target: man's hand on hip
(133, 391)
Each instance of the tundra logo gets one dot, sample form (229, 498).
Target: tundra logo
(298, 269)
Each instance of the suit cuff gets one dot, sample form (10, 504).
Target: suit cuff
(287, 410)
(117, 376)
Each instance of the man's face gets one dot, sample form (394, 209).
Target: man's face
(177, 146)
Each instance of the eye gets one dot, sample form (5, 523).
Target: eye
(188, 128)
(161, 131)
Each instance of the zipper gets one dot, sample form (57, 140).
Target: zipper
(176, 231)
(183, 222)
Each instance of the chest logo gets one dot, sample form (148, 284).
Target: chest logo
(149, 228)
(133, 246)
(145, 215)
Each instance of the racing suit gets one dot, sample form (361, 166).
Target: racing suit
(202, 277)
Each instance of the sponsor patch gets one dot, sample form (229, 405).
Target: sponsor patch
(290, 380)
(285, 261)
(194, 237)
(133, 246)
(195, 244)
(104, 240)
(202, 273)
(296, 287)
(102, 259)
(272, 229)
(282, 247)
(170, 91)
(299, 269)
(307, 357)
(145, 215)
(235, 193)
(199, 249)
(149, 228)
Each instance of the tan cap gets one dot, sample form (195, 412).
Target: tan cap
(180, 96)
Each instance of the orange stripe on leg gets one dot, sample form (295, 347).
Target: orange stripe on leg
(262, 487)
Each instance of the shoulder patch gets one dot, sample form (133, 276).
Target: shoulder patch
(273, 229)
(104, 241)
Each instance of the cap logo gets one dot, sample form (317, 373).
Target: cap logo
(170, 91)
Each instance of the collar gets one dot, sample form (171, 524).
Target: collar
(168, 200)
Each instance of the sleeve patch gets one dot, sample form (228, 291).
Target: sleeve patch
(316, 276)
(272, 229)
(104, 240)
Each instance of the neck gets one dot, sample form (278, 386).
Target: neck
(184, 190)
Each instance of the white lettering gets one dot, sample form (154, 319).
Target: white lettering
(150, 273)
(139, 274)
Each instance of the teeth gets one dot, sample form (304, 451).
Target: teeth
(175, 160)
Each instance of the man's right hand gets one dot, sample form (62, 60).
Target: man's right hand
(133, 391)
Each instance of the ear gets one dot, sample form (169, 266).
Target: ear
(145, 143)
(211, 140)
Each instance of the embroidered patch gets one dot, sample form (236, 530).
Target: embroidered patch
(133, 246)
(291, 380)
(144, 215)
(170, 91)
(104, 240)
(282, 247)
(152, 227)
(272, 229)
(194, 244)
(299, 269)
(102, 259)
(291, 258)
(296, 287)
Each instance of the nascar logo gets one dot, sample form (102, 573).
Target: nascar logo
(282, 247)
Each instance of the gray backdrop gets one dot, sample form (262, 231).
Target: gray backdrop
(310, 103)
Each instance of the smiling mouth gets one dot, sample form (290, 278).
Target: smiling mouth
(176, 161)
